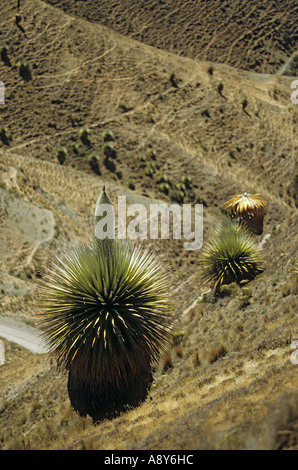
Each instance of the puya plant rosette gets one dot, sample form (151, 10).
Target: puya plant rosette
(231, 255)
(248, 209)
(107, 318)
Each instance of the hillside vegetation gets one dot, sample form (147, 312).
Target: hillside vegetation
(72, 73)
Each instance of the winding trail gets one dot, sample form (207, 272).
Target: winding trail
(21, 333)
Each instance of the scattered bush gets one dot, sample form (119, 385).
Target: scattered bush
(75, 148)
(180, 187)
(202, 200)
(84, 133)
(205, 112)
(108, 150)
(162, 178)
(61, 154)
(244, 104)
(4, 54)
(93, 161)
(215, 353)
(131, 184)
(167, 362)
(196, 361)
(149, 171)
(3, 132)
(123, 107)
(152, 154)
(177, 196)
(220, 88)
(186, 180)
(210, 70)
(230, 256)
(173, 80)
(24, 70)
(165, 188)
(107, 136)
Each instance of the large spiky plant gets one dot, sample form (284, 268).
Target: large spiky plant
(230, 256)
(248, 209)
(106, 319)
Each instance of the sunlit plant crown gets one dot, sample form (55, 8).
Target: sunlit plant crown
(106, 319)
(249, 208)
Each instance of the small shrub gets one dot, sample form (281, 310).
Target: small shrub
(107, 136)
(205, 112)
(84, 133)
(165, 188)
(180, 187)
(186, 180)
(245, 297)
(75, 148)
(178, 351)
(196, 359)
(173, 80)
(167, 362)
(93, 161)
(131, 184)
(178, 337)
(108, 150)
(162, 178)
(177, 196)
(3, 135)
(61, 154)
(3, 132)
(152, 154)
(4, 54)
(149, 171)
(220, 88)
(110, 165)
(202, 200)
(244, 104)
(24, 70)
(215, 353)
(210, 70)
(123, 107)
(118, 173)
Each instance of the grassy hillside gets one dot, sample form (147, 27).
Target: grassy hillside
(227, 382)
(249, 34)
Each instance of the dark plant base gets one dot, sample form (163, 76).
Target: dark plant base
(101, 399)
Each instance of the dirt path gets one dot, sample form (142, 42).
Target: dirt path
(22, 334)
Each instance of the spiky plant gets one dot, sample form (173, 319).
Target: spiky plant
(248, 209)
(230, 256)
(294, 269)
(106, 320)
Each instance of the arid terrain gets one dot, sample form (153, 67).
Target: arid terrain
(149, 72)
